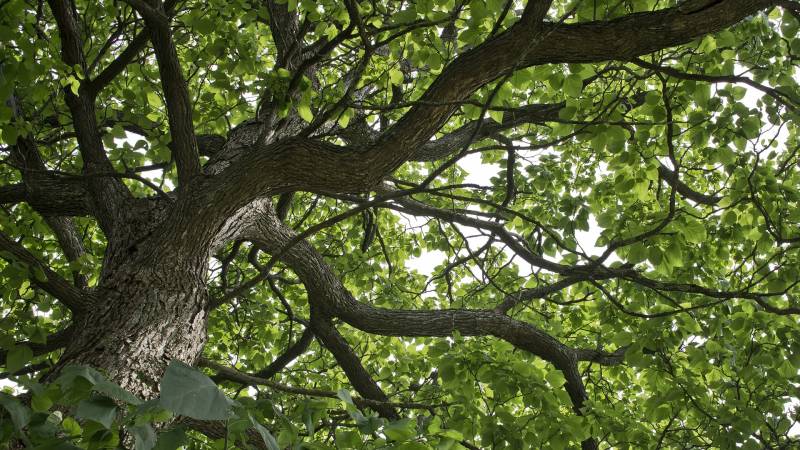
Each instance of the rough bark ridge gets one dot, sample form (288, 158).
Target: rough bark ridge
(146, 315)
(151, 303)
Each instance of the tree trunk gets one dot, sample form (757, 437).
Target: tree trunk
(149, 312)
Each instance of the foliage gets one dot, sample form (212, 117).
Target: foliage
(642, 211)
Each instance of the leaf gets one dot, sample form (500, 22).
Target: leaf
(304, 111)
(41, 402)
(344, 118)
(17, 357)
(98, 408)
(10, 134)
(412, 445)
(153, 99)
(144, 436)
(71, 426)
(401, 430)
(652, 98)
(266, 436)
(20, 415)
(99, 383)
(573, 85)
(346, 439)
(396, 77)
(567, 113)
(345, 396)
(171, 440)
(751, 127)
(496, 115)
(38, 274)
(188, 392)
(555, 378)
(452, 434)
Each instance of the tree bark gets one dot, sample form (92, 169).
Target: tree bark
(148, 312)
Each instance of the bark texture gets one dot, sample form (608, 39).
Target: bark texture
(151, 303)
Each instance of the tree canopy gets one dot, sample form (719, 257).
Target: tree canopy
(416, 224)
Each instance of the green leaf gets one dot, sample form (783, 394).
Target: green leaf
(188, 392)
(452, 434)
(144, 436)
(266, 436)
(396, 76)
(751, 127)
(171, 440)
(18, 356)
(38, 274)
(496, 115)
(346, 439)
(20, 415)
(98, 381)
(304, 111)
(10, 134)
(555, 378)
(652, 98)
(98, 408)
(401, 430)
(344, 118)
(41, 402)
(567, 112)
(153, 99)
(412, 445)
(71, 426)
(573, 85)
(345, 396)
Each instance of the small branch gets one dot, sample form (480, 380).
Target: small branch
(779, 96)
(45, 278)
(55, 341)
(234, 375)
(291, 353)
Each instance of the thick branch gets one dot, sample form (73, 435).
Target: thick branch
(303, 164)
(176, 94)
(284, 27)
(361, 380)
(50, 195)
(327, 293)
(108, 193)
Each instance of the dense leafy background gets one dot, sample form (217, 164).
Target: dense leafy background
(700, 371)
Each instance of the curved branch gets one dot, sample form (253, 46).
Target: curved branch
(779, 96)
(310, 165)
(327, 293)
(44, 277)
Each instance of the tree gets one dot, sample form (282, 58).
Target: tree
(240, 186)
